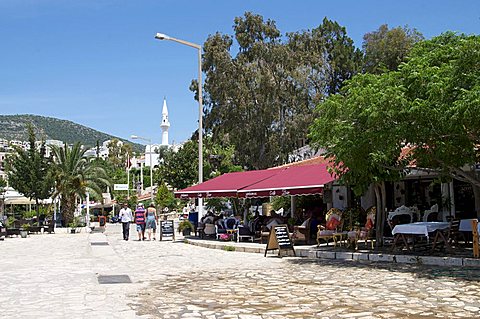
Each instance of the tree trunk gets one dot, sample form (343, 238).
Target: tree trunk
(37, 208)
(68, 207)
(380, 197)
(476, 193)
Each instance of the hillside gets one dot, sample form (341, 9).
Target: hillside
(14, 127)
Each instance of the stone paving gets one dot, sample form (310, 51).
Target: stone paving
(56, 276)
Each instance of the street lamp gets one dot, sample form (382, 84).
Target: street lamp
(135, 137)
(161, 36)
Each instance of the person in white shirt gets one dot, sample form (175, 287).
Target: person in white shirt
(125, 217)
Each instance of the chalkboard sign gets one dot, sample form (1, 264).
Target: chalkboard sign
(279, 238)
(167, 229)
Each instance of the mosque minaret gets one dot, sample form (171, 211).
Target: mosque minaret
(165, 123)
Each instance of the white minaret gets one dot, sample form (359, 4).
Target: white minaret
(165, 123)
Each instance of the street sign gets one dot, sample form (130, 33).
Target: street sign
(120, 187)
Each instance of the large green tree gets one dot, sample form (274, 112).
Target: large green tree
(75, 175)
(429, 107)
(261, 100)
(165, 198)
(385, 48)
(29, 171)
(119, 153)
(180, 168)
(442, 84)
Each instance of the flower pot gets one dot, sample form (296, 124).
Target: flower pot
(23, 233)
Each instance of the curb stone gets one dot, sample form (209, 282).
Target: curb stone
(356, 256)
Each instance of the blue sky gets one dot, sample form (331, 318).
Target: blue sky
(96, 62)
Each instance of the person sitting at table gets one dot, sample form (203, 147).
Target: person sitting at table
(274, 220)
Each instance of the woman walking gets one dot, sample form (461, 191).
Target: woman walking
(151, 221)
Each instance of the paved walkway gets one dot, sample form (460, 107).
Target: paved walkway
(56, 276)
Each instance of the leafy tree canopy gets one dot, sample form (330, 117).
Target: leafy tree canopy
(165, 198)
(180, 169)
(119, 153)
(75, 176)
(385, 48)
(261, 100)
(429, 107)
(29, 172)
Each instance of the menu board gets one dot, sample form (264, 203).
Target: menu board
(283, 238)
(167, 229)
(279, 238)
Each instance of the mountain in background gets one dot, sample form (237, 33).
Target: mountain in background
(14, 127)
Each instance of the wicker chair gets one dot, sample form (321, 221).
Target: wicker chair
(332, 227)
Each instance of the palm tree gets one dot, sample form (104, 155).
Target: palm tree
(75, 176)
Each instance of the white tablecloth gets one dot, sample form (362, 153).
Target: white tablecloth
(420, 228)
(466, 225)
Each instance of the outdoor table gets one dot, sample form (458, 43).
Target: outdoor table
(416, 229)
(466, 225)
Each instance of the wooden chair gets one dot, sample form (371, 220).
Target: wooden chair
(302, 233)
(264, 234)
(365, 233)
(445, 238)
(399, 219)
(50, 228)
(431, 214)
(209, 230)
(245, 231)
(332, 227)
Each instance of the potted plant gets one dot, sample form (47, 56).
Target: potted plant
(10, 221)
(185, 227)
(24, 230)
(73, 225)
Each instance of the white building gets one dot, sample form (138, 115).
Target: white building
(152, 151)
(3, 155)
(165, 123)
(103, 151)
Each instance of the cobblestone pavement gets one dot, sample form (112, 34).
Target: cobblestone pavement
(55, 276)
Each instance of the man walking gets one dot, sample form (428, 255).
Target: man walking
(125, 217)
(140, 221)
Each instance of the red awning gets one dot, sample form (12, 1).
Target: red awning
(294, 180)
(226, 185)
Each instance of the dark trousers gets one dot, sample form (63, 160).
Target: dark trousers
(126, 230)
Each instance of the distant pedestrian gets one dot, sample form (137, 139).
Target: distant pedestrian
(140, 221)
(151, 221)
(126, 218)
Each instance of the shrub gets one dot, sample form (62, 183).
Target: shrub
(229, 248)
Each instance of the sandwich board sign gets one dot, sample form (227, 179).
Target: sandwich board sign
(167, 229)
(279, 238)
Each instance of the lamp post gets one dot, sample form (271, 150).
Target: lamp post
(161, 36)
(135, 137)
